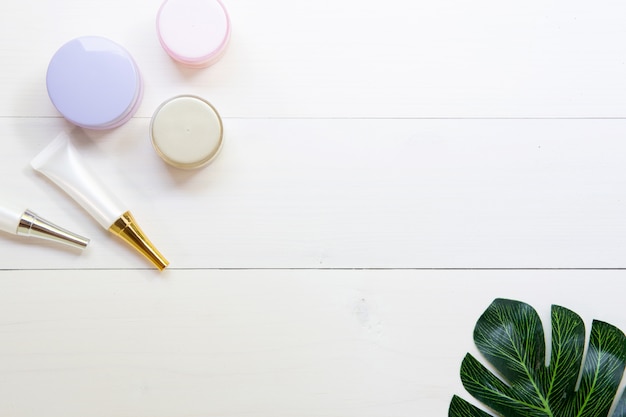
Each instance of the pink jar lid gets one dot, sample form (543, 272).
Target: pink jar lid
(193, 32)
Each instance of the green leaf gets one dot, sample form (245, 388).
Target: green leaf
(620, 409)
(461, 408)
(511, 338)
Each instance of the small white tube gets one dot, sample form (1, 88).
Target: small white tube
(10, 219)
(60, 162)
(26, 223)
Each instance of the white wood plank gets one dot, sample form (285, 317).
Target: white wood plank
(262, 343)
(346, 148)
(346, 194)
(398, 58)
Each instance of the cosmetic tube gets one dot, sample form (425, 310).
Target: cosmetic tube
(27, 223)
(61, 163)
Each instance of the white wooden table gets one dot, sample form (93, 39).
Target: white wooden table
(389, 169)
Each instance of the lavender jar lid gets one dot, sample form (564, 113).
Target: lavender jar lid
(94, 83)
(193, 32)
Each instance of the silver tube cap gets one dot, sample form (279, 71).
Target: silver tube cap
(33, 225)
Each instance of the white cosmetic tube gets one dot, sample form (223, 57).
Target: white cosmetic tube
(9, 219)
(62, 164)
(26, 223)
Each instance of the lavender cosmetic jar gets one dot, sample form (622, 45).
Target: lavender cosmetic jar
(94, 83)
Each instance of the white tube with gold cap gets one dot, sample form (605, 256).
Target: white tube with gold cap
(61, 163)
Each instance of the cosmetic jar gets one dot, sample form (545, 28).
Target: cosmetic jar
(94, 83)
(187, 132)
(193, 32)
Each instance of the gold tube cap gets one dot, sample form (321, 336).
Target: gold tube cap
(127, 229)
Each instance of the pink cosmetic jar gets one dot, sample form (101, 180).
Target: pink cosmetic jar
(193, 32)
(94, 83)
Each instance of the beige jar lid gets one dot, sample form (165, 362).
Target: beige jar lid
(186, 131)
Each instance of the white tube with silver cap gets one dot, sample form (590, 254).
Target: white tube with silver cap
(27, 223)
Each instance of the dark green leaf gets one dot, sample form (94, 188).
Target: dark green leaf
(568, 343)
(603, 370)
(461, 408)
(620, 409)
(510, 336)
(490, 390)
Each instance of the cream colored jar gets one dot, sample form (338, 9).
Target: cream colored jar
(187, 132)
